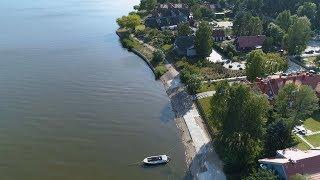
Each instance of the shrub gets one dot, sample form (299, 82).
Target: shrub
(166, 48)
(160, 70)
(158, 57)
(129, 43)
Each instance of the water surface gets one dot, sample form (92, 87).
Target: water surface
(73, 103)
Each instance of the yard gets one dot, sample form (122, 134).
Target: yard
(313, 139)
(206, 87)
(301, 145)
(313, 123)
(205, 105)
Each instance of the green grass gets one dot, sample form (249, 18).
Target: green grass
(313, 123)
(206, 87)
(301, 145)
(205, 104)
(313, 139)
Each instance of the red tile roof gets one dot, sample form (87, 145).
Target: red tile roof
(271, 85)
(244, 42)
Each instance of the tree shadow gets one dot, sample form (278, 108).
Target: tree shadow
(206, 165)
(181, 101)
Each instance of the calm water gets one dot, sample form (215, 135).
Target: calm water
(73, 103)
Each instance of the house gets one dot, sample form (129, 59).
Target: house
(184, 46)
(248, 43)
(289, 162)
(218, 35)
(168, 16)
(271, 85)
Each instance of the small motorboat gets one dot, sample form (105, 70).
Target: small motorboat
(154, 160)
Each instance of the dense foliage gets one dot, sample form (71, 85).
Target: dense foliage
(260, 64)
(241, 116)
(204, 42)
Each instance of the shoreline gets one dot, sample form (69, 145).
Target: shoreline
(199, 152)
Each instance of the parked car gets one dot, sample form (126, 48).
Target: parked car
(309, 52)
(300, 129)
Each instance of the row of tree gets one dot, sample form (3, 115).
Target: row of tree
(250, 128)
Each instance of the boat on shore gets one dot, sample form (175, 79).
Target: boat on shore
(155, 160)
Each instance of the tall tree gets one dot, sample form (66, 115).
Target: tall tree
(276, 33)
(254, 26)
(130, 21)
(260, 64)
(240, 23)
(148, 5)
(184, 29)
(203, 41)
(255, 65)
(296, 102)
(278, 136)
(284, 20)
(308, 9)
(298, 35)
(240, 115)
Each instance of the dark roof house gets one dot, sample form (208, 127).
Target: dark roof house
(289, 162)
(247, 43)
(218, 34)
(184, 45)
(167, 15)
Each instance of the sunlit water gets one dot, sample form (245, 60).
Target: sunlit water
(74, 105)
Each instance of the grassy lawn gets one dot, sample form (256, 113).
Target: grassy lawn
(302, 145)
(206, 87)
(205, 104)
(313, 123)
(313, 139)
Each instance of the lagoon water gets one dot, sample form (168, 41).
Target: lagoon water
(73, 103)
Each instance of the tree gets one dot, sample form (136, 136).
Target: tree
(262, 174)
(184, 29)
(274, 63)
(130, 21)
(196, 11)
(254, 26)
(296, 102)
(308, 9)
(148, 5)
(260, 64)
(240, 23)
(278, 136)
(284, 20)
(255, 65)
(276, 33)
(191, 77)
(240, 115)
(246, 25)
(298, 35)
(317, 61)
(203, 40)
(158, 57)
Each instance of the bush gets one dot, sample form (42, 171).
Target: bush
(160, 70)
(158, 57)
(167, 48)
(129, 43)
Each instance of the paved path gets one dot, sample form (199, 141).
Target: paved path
(240, 78)
(313, 133)
(204, 94)
(304, 140)
(206, 163)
